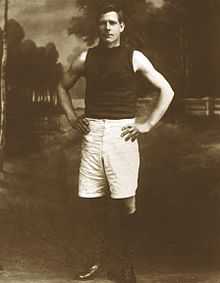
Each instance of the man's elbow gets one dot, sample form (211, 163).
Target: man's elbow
(171, 93)
(61, 87)
(65, 81)
(167, 91)
(64, 85)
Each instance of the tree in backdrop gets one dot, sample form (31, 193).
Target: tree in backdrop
(195, 26)
(33, 73)
(30, 67)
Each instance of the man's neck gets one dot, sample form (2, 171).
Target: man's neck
(110, 45)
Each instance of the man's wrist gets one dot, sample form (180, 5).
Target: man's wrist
(72, 121)
(148, 126)
(144, 127)
(151, 124)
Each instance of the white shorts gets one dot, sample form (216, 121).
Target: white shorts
(108, 162)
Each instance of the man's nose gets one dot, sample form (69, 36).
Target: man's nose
(108, 26)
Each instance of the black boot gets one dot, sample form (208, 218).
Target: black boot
(124, 275)
(89, 273)
(128, 274)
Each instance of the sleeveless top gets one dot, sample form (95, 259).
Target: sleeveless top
(110, 83)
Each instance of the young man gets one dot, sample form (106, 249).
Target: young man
(110, 154)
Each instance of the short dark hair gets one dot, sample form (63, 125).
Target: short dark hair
(111, 8)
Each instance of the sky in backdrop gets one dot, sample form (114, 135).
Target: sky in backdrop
(47, 21)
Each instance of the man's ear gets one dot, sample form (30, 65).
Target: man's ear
(122, 26)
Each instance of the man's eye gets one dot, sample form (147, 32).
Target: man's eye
(105, 23)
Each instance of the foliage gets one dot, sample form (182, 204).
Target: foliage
(30, 66)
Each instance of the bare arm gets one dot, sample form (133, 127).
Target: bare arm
(69, 79)
(143, 65)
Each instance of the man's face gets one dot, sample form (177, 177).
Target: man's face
(110, 28)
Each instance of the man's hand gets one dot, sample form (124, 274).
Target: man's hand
(131, 132)
(81, 124)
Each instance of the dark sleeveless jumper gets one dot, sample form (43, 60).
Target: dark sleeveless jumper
(110, 83)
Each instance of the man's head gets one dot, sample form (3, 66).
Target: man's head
(110, 25)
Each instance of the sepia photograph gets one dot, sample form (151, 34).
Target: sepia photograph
(109, 141)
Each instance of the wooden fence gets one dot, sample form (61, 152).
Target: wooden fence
(205, 106)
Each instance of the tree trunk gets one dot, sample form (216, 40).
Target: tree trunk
(3, 86)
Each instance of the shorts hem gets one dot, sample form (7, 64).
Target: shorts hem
(91, 196)
(123, 196)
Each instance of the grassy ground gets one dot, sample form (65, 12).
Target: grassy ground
(178, 208)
